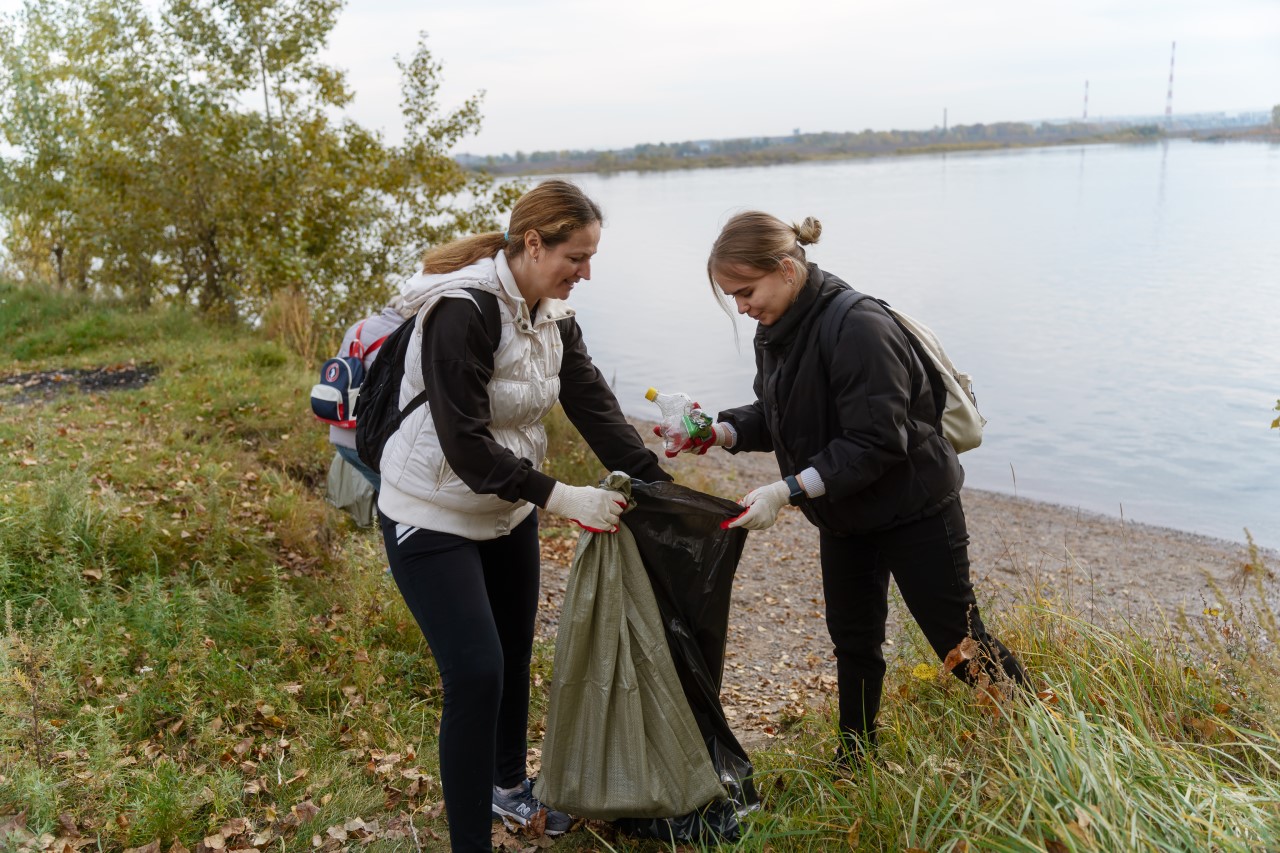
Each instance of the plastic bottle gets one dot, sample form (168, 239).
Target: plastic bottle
(681, 418)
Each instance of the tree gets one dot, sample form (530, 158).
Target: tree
(1275, 116)
(201, 155)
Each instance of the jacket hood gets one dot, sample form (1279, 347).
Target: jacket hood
(422, 289)
(491, 274)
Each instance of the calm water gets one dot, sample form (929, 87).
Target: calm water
(1119, 308)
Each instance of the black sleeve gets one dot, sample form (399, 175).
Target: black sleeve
(457, 364)
(871, 394)
(749, 422)
(593, 410)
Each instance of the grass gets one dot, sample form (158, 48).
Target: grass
(194, 646)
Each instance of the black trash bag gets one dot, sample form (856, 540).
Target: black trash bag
(691, 563)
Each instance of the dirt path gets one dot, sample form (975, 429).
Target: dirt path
(778, 655)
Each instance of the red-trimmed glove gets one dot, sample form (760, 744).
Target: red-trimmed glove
(596, 510)
(720, 437)
(762, 506)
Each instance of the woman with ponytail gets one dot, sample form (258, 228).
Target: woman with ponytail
(494, 347)
(861, 451)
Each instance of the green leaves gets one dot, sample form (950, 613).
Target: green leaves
(197, 156)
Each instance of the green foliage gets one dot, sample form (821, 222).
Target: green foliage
(141, 166)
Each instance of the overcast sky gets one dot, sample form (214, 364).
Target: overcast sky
(584, 73)
(596, 74)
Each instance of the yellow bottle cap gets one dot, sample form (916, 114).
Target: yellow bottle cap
(651, 394)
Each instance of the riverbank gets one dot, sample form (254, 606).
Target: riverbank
(847, 146)
(200, 654)
(778, 660)
(802, 148)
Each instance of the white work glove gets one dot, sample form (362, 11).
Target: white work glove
(762, 506)
(596, 510)
(721, 436)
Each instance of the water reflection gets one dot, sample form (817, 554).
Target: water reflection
(1125, 351)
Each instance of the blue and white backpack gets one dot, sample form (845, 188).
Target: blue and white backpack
(333, 399)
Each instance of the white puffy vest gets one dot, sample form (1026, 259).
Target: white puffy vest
(418, 486)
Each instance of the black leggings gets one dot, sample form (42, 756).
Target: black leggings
(476, 603)
(929, 560)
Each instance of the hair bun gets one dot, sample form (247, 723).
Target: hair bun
(808, 232)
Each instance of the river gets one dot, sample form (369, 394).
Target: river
(1117, 305)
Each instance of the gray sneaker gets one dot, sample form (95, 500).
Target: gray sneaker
(521, 806)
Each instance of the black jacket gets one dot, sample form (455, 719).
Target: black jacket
(865, 421)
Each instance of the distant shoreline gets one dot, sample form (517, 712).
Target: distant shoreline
(609, 163)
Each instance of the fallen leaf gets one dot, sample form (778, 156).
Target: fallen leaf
(1206, 728)
(967, 650)
(851, 837)
(501, 839)
(153, 847)
(1054, 846)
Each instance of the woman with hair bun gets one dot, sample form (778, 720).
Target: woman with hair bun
(861, 451)
(494, 347)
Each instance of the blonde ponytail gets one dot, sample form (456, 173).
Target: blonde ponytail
(554, 208)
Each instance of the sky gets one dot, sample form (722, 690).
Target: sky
(581, 74)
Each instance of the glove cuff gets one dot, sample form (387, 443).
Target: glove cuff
(723, 435)
(557, 500)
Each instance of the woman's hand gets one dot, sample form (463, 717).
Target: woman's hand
(596, 510)
(721, 436)
(762, 506)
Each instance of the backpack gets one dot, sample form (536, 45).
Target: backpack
(961, 422)
(333, 398)
(377, 413)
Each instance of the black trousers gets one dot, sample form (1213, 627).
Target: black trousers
(929, 560)
(475, 602)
